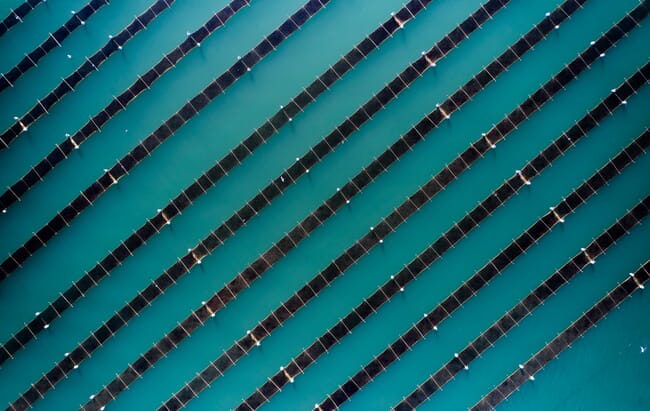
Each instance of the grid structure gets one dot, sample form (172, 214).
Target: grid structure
(481, 278)
(62, 150)
(152, 226)
(564, 340)
(54, 40)
(193, 257)
(262, 134)
(424, 260)
(519, 312)
(221, 83)
(92, 64)
(305, 294)
(336, 202)
(243, 280)
(155, 139)
(302, 165)
(255, 270)
(17, 15)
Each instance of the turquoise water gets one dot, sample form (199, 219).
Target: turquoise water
(245, 106)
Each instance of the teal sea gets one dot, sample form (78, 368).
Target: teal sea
(605, 369)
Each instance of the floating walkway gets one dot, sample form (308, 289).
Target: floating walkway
(324, 278)
(564, 340)
(225, 295)
(381, 362)
(261, 135)
(192, 258)
(28, 393)
(152, 226)
(531, 236)
(16, 16)
(63, 150)
(234, 158)
(115, 43)
(234, 287)
(525, 307)
(398, 282)
(55, 39)
(155, 139)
